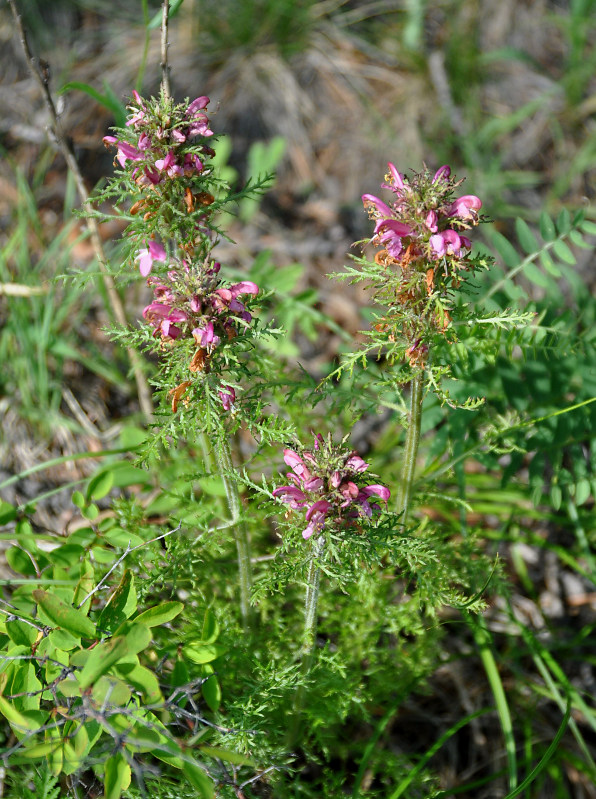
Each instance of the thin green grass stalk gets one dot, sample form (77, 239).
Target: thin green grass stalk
(482, 638)
(411, 446)
(434, 749)
(225, 469)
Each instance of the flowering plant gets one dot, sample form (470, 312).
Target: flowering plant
(325, 484)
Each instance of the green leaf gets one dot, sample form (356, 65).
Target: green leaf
(213, 486)
(562, 251)
(100, 485)
(505, 248)
(118, 537)
(110, 689)
(583, 489)
(526, 238)
(142, 680)
(27, 720)
(64, 640)
(564, 221)
(211, 691)
(138, 636)
(8, 512)
(174, 8)
(549, 264)
(108, 100)
(199, 780)
(21, 633)
(101, 659)
(20, 562)
(588, 227)
(210, 630)
(121, 605)
(204, 653)
(85, 585)
(116, 776)
(547, 227)
(224, 754)
(78, 499)
(160, 614)
(64, 616)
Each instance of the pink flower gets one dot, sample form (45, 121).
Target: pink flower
(227, 396)
(448, 243)
(154, 252)
(330, 494)
(442, 173)
(391, 235)
(466, 207)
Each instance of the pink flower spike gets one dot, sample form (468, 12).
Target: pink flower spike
(442, 173)
(379, 205)
(294, 461)
(178, 136)
(291, 495)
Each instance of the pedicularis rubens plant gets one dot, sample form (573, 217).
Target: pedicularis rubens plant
(99, 684)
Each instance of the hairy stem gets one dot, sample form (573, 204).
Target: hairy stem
(411, 446)
(165, 69)
(225, 468)
(311, 602)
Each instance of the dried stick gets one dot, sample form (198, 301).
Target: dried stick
(165, 69)
(41, 73)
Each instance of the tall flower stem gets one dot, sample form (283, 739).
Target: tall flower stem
(411, 446)
(309, 635)
(225, 468)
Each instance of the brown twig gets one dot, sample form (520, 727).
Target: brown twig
(165, 69)
(40, 72)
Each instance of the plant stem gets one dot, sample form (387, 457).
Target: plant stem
(311, 602)
(411, 446)
(225, 467)
(165, 69)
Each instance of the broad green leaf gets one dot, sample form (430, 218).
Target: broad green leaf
(143, 680)
(78, 499)
(111, 691)
(547, 227)
(526, 237)
(64, 616)
(224, 754)
(583, 489)
(91, 512)
(210, 631)
(211, 691)
(199, 780)
(69, 687)
(121, 605)
(505, 249)
(100, 485)
(21, 633)
(8, 512)
(138, 636)
(562, 251)
(588, 227)
(549, 264)
(563, 221)
(85, 585)
(67, 555)
(26, 720)
(213, 486)
(118, 537)
(116, 776)
(101, 659)
(180, 674)
(160, 614)
(20, 562)
(556, 496)
(40, 749)
(203, 653)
